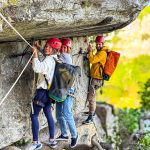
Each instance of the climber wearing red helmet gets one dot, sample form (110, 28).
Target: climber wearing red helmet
(100, 39)
(66, 45)
(65, 50)
(99, 42)
(54, 43)
(64, 112)
(41, 100)
(98, 61)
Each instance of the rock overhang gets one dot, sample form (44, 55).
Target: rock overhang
(41, 19)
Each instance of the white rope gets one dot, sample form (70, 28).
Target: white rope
(26, 63)
(16, 80)
(14, 29)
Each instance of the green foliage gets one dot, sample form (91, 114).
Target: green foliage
(145, 142)
(122, 89)
(115, 39)
(116, 141)
(145, 36)
(92, 39)
(145, 96)
(128, 120)
(144, 12)
(22, 142)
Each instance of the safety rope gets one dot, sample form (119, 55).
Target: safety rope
(26, 63)
(14, 29)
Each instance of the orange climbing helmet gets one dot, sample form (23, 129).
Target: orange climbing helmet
(66, 42)
(54, 43)
(100, 39)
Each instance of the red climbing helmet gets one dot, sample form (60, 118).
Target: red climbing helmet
(100, 39)
(66, 42)
(54, 43)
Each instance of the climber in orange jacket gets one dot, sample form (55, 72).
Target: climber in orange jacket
(96, 81)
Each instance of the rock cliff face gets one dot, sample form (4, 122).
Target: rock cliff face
(44, 18)
(14, 112)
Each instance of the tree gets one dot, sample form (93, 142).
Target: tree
(145, 96)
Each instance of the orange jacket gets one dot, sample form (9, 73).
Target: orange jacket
(97, 60)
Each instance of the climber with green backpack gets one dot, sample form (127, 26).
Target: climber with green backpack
(64, 113)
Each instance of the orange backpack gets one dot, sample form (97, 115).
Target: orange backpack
(110, 65)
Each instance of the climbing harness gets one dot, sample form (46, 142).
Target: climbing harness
(26, 63)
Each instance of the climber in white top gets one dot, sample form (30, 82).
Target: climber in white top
(41, 99)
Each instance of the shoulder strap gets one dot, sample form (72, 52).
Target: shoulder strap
(57, 60)
(46, 80)
(101, 67)
(100, 71)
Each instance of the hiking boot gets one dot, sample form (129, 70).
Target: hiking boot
(74, 142)
(89, 120)
(62, 138)
(52, 144)
(35, 146)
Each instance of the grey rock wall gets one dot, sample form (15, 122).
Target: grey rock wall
(44, 18)
(15, 110)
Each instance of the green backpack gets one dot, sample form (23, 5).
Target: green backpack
(64, 77)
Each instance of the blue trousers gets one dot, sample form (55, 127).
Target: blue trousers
(40, 95)
(65, 118)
